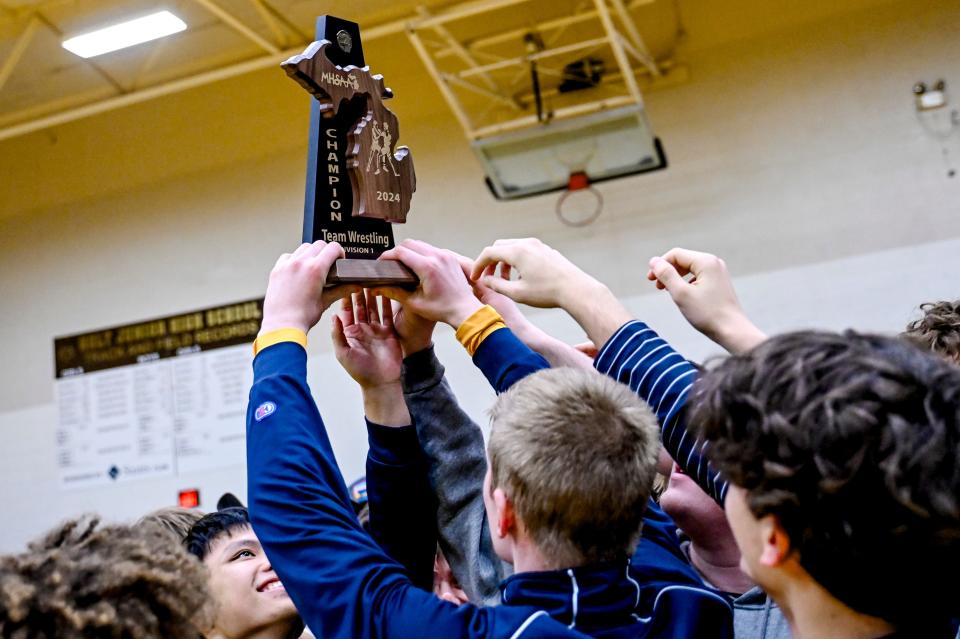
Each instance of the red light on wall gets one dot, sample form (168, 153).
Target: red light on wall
(189, 498)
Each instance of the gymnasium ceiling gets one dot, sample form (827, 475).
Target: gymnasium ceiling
(38, 78)
(231, 103)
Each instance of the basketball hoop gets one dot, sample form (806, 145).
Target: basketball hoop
(579, 183)
(579, 191)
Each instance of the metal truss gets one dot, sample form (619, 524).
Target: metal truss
(623, 40)
(479, 77)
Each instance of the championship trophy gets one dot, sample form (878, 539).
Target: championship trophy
(358, 181)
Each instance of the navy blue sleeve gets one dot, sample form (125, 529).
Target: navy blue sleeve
(403, 509)
(636, 356)
(669, 591)
(505, 360)
(340, 580)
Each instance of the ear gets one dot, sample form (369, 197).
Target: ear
(506, 517)
(776, 543)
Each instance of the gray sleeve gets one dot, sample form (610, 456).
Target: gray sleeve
(453, 445)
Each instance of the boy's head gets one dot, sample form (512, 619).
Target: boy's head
(843, 452)
(177, 521)
(248, 594)
(86, 580)
(938, 330)
(572, 461)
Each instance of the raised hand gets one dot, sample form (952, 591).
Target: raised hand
(295, 296)
(365, 343)
(367, 346)
(415, 332)
(707, 300)
(444, 294)
(546, 278)
(557, 352)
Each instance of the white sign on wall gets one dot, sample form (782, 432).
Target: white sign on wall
(155, 398)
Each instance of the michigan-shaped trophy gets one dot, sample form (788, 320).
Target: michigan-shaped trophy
(359, 181)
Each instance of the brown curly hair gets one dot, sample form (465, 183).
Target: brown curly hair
(938, 330)
(117, 582)
(853, 442)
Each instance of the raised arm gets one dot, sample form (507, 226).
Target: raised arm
(402, 504)
(632, 353)
(549, 280)
(451, 441)
(342, 583)
(556, 351)
(446, 295)
(702, 289)
(636, 356)
(454, 447)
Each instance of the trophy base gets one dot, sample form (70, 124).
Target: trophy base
(371, 273)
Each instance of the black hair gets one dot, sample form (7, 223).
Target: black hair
(212, 526)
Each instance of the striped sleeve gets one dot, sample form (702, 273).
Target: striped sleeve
(644, 361)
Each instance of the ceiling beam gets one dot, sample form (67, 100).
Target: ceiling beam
(28, 120)
(112, 81)
(19, 48)
(471, 61)
(549, 25)
(271, 21)
(12, 14)
(619, 54)
(546, 53)
(234, 23)
(635, 39)
(458, 111)
(148, 93)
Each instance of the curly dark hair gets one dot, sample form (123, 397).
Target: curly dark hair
(938, 330)
(853, 442)
(116, 582)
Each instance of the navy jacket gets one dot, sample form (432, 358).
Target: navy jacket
(346, 587)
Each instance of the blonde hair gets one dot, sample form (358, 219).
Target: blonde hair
(576, 453)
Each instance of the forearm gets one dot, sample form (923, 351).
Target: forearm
(595, 308)
(384, 405)
(402, 505)
(636, 356)
(453, 446)
(559, 353)
(496, 351)
(738, 335)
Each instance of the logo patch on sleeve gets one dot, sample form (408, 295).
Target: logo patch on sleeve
(264, 410)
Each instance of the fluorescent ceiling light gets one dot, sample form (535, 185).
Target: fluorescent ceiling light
(125, 34)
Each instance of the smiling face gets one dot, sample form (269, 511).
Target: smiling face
(249, 596)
